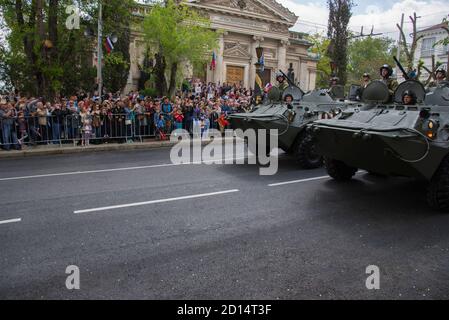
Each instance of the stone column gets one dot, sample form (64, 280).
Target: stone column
(219, 75)
(252, 68)
(134, 72)
(304, 75)
(282, 56)
(312, 78)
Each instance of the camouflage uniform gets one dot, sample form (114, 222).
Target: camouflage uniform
(433, 84)
(437, 82)
(392, 85)
(282, 86)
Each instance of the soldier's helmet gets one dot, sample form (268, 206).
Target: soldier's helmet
(442, 71)
(288, 96)
(411, 94)
(387, 67)
(279, 75)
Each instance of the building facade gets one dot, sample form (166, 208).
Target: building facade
(425, 48)
(244, 25)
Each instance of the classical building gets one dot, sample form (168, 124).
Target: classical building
(245, 25)
(426, 48)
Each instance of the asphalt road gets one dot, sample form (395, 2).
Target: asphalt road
(312, 239)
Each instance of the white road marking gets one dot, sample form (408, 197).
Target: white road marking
(297, 181)
(112, 170)
(156, 201)
(307, 180)
(10, 221)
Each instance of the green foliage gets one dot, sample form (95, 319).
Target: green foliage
(444, 41)
(367, 55)
(66, 65)
(186, 85)
(117, 17)
(149, 92)
(338, 33)
(364, 55)
(179, 34)
(319, 50)
(115, 72)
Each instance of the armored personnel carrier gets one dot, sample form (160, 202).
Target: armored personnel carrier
(391, 138)
(290, 119)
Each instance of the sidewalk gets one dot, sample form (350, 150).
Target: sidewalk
(44, 150)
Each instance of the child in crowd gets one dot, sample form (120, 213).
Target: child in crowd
(87, 131)
(223, 122)
(160, 128)
(22, 124)
(179, 117)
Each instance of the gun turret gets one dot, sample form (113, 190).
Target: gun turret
(406, 77)
(290, 82)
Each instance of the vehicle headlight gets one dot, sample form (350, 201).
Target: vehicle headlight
(430, 128)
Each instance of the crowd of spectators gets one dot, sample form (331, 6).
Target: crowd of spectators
(83, 119)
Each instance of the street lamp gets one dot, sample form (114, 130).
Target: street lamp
(100, 51)
(258, 87)
(90, 33)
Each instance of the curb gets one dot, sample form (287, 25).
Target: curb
(90, 149)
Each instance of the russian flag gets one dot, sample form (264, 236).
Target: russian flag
(213, 63)
(108, 45)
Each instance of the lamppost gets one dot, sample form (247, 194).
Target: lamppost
(100, 51)
(90, 33)
(291, 73)
(258, 87)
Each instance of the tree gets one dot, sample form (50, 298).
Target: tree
(445, 26)
(445, 41)
(410, 49)
(319, 50)
(367, 55)
(338, 33)
(41, 57)
(116, 19)
(432, 71)
(179, 35)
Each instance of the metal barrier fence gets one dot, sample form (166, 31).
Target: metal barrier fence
(76, 129)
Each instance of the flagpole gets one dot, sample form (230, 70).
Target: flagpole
(100, 50)
(214, 65)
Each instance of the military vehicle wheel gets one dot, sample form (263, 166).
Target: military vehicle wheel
(339, 170)
(438, 189)
(305, 153)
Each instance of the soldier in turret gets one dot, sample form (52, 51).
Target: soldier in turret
(333, 82)
(386, 72)
(366, 80)
(282, 83)
(336, 90)
(440, 76)
(409, 98)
